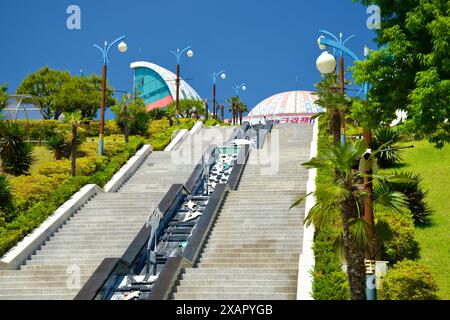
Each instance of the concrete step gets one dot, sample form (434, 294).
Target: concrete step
(245, 278)
(67, 261)
(239, 264)
(235, 296)
(239, 288)
(249, 255)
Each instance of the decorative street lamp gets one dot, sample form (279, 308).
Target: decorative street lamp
(326, 63)
(214, 76)
(105, 50)
(178, 54)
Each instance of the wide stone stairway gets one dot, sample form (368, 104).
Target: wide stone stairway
(104, 226)
(253, 250)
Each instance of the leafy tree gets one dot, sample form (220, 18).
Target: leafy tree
(344, 198)
(46, 85)
(15, 153)
(187, 108)
(84, 94)
(411, 71)
(135, 119)
(3, 96)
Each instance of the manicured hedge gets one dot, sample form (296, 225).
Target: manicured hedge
(161, 133)
(40, 130)
(27, 220)
(330, 281)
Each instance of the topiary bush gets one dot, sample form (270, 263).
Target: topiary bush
(408, 280)
(401, 243)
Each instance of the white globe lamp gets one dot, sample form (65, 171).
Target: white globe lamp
(326, 63)
(122, 47)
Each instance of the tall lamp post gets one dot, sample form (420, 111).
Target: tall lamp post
(214, 76)
(105, 50)
(178, 55)
(326, 63)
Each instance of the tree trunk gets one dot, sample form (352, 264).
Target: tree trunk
(354, 255)
(240, 117)
(73, 157)
(335, 127)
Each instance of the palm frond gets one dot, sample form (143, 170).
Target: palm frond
(359, 230)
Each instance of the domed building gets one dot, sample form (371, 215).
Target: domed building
(157, 85)
(291, 106)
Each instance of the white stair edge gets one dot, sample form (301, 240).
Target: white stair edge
(177, 140)
(17, 255)
(196, 128)
(306, 259)
(128, 169)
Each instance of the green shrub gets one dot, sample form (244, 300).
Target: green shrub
(408, 280)
(330, 282)
(401, 244)
(29, 190)
(6, 201)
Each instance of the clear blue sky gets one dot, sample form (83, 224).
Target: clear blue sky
(264, 43)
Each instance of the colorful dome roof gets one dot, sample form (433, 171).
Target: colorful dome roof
(287, 103)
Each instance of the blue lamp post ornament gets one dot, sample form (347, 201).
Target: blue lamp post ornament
(237, 88)
(178, 54)
(105, 61)
(214, 77)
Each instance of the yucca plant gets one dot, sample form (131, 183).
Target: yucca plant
(16, 154)
(388, 138)
(416, 195)
(57, 144)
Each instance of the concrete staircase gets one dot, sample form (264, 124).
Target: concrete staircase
(104, 227)
(253, 250)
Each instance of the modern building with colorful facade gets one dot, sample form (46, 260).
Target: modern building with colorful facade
(291, 106)
(157, 85)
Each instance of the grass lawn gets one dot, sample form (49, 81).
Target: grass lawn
(434, 166)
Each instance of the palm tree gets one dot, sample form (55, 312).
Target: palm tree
(234, 103)
(333, 102)
(241, 108)
(342, 201)
(75, 121)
